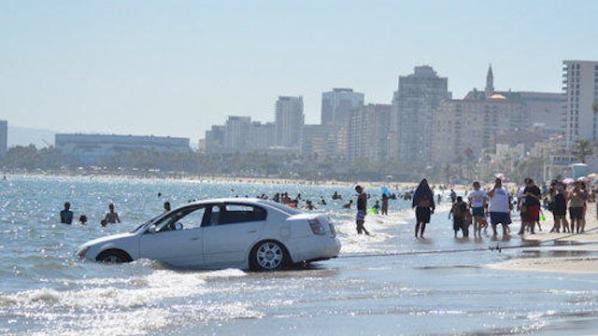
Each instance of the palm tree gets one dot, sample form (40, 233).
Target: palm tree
(582, 149)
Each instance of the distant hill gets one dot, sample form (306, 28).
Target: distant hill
(24, 136)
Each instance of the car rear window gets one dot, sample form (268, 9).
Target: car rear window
(283, 208)
(241, 213)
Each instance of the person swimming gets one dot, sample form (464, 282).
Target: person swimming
(348, 205)
(167, 206)
(112, 216)
(66, 215)
(83, 220)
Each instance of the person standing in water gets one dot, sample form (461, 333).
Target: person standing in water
(477, 202)
(423, 202)
(111, 216)
(66, 215)
(500, 208)
(167, 207)
(384, 210)
(362, 206)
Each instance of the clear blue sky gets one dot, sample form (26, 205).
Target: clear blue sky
(177, 67)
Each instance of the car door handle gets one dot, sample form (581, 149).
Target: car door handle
(252, 231)
(194, 238)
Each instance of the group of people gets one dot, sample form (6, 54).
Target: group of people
(67, 216)
(494, 206)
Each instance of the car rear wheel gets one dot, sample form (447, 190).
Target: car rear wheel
(113, 257)
(269, 256)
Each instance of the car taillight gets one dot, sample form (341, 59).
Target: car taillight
(316, 227)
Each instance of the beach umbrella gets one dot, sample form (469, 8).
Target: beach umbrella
(568, 180)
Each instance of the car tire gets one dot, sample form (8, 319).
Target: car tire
(268, 256)
(113, 257)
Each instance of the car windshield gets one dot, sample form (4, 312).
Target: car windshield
(283, 208)
(146, 223)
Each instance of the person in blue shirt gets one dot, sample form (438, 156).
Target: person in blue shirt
(66, 215)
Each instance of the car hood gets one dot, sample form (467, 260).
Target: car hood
(109, 238)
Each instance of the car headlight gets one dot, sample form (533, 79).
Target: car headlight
(83, 252)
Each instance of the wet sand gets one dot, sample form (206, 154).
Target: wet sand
(569, 254)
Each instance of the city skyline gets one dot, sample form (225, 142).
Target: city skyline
(107, 76)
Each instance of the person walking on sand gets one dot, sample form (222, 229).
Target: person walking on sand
(423, 202)
(111, 216)
(499, 208)
(478, 200)
(362, 206)
(66, 215)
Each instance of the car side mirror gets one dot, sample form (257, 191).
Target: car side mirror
(151, 229)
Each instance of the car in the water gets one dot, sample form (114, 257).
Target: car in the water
(245, 233)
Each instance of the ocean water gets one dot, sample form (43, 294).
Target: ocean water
(45, 290)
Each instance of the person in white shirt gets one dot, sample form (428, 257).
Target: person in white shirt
(477, 202)
(500, 208)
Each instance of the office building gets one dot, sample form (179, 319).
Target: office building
(214, 139)
(236, 133)
(368, 136)
(339, 104)
(413, 109)
(289, 121)
(580, 88)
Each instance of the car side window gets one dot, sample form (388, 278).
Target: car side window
(241, 213)
(186, 218)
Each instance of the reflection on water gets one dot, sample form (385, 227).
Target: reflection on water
(45, 290)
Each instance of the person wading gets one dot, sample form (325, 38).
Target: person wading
(423, 202)
(362, 206)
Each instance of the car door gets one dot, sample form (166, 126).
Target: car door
(176, 239)
(231, 230)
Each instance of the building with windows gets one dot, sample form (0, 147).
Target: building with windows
(97, 148)
(368, 135)
(289, 121)
(236, 133)
(412, 117)
(214, 139)
(261, 136)
(3, 138)
(463, 128)
(339, 104)
(580, 88)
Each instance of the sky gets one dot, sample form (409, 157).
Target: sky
(177, 67)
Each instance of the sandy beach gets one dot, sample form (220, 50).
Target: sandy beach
(570, 253)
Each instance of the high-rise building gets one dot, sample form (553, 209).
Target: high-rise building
(412, 116)
(236, 133)
(339, 104)
(3, 138)
(545, 109)
(368, 136)
(463, 128)
(289, 121)
(580, 87)
(215, 139)
(315, 140)
(261, 136)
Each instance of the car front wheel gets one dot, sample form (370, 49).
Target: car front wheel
(113, 257)
(269, 256)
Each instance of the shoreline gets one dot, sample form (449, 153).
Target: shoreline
(577, 262)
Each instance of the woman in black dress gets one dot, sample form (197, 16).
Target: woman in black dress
(423, 202)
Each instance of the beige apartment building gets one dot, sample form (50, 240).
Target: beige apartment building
(464, 128)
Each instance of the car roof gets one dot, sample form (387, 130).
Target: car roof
(238, 200)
